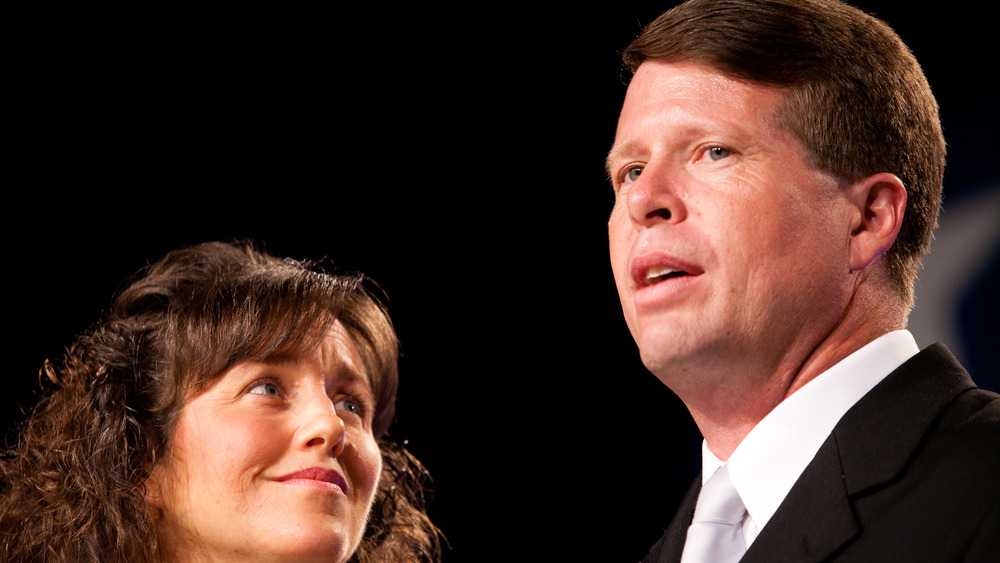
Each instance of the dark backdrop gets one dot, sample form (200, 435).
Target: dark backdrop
(456, 156)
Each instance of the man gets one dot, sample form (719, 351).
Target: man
(777, 169)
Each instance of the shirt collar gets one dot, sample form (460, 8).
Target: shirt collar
(771, 457)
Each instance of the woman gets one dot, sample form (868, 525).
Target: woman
(229, 407)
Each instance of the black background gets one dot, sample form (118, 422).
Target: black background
(454, 155)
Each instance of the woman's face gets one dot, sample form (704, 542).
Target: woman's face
(273, 461)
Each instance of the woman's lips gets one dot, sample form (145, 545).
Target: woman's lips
(316, 477)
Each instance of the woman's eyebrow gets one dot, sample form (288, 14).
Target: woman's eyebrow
(363, 381)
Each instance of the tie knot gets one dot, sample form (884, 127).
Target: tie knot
(718, 501)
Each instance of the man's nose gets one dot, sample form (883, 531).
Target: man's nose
(653, 197)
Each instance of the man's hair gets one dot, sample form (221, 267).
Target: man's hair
(856, 97)
(72, 489)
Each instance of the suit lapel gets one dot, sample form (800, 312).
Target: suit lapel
(869, 446)
(814, 519)
(881, 432)
(671, 545)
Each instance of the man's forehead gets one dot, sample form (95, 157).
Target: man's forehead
(689, 99)
(656, 78)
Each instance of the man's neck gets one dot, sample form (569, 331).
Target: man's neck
(726, 413)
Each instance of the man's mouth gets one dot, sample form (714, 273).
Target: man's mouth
(654, 269)
(662, 273)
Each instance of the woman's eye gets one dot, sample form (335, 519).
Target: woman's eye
(718, 153)
(266, 388)
(350, 405)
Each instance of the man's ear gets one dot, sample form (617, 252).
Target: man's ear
(879, 202)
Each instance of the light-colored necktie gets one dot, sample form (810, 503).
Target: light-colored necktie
(716, 534)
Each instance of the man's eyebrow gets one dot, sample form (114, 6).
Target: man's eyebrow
(617, 152)
(683, 132)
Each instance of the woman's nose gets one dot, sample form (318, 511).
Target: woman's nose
(322, 428)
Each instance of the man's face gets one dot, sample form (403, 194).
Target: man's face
(728, 246)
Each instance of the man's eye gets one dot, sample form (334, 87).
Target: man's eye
(266, 388)
(632, 174)
(718, 153)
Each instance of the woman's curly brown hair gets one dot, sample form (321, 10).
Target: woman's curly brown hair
(73, 484)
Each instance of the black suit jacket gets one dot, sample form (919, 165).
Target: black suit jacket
(910, 473)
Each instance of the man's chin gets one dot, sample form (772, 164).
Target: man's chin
(661, 356)
(672, 354)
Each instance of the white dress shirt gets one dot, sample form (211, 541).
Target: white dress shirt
(771, 457)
